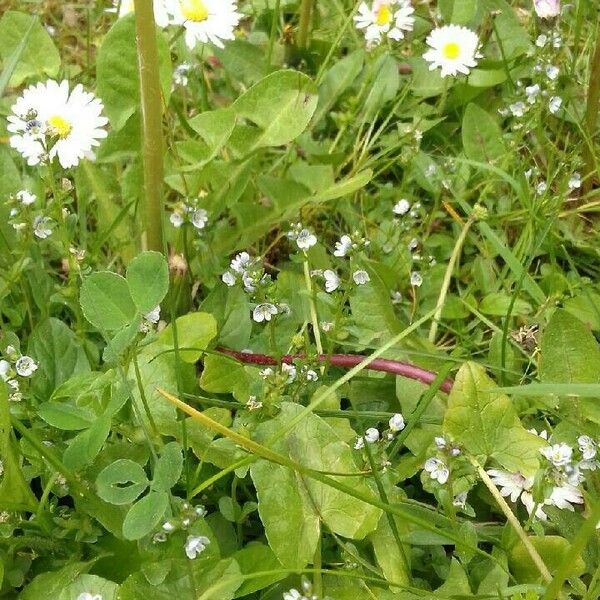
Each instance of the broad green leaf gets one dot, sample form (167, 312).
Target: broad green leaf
(387, 553)
(253, 558)
(121, 482)
(38, 58)
(304, 501)
(52, 583)
(148, 280)
(458, 12)
(484, 78)
(242, 60)
(509, 38)
(59, 355)
(10, 64)
(65, 416)
(117, 71)
(498, 303)
(481, 135)
(215, 128)
(84, 447)
(485, 422)
(383, 87)
(221, 374)
(281, 105)
(15, 494)
(106, 301)
(145, 515)
(345, 187)
(586, 308)
(169, 468)
(553, 549)
(195, 331)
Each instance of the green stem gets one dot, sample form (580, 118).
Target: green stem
(591, 117)
(273, 34)
(305, 19)
(313, 309)
(151, 99)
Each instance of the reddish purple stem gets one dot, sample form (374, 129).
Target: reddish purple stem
(347, 361)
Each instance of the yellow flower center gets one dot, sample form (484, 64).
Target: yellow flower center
(451, 51)
(194, 10)
(384, 15)
(59, 126)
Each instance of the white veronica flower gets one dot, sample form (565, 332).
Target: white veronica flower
(532, 92)
(587, 446)
(332, 281)
(437, 469)
(529, 503)
(228, 278)
(195, 545)
(89, 596)
(371, 435)
(180, 74)
(48, 121)
(176, 219)
(416, 279)
(240, 262)
(311, 375)
(306, 239)
(200, 218)
(401, 207)
(264, 312)
(389, 18)
(558, 454)
(25, 366)
(4, 370)
(361, 277)
(293, 594)
(453, 48)
(510, 484)
(547, 9)
(552, 72)
(518, 109)
(343, 246)
(161, 16)
(397, 423)
(26, 197)
(168, 526)
(541, 187)
(565, 496)
(153, 316)
(575, 181)
(290, 371)
(396, 297)
(554, 104)
(205, 21)
(42, 227)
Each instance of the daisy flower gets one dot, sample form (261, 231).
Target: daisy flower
(161, 16)
(381, 18)
(453, 48)
(205, 21)
(48, 121)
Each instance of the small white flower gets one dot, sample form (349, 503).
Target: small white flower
(25, 366)
(529, 503)
(401, 207)
(510, 484)
(264, 312)
(541, 40)
(4, 370)
(228, 278)
(26, 198)
(543, 433)
(89, 596)
(371, 435)
(460, 500)
(389, 18)
(266, 372)
(42, 227)
(253, 404)
(532, 92)
(290, 372)
(552, 72)
(153, 316)
(361, 277)
(199, 218)
(195, 545)
(180, 74)
(547, 9)
(306, 239)
(176, 219)
(518, 109)
(575, 181)
(413, 244)
(397, 423)
(343, 246)
(416, 279)
(311, 375)
(326, 326)
(558, 454)
(541, 188)
(293, 594)
(332, 281)
(396, 297)
(555, 104)
(240, 262)
(437, 469)
(565, 496)
(440, 442)
(168, 526)
(48, 120)
(205, 21)
(359, 444)
(587, 446)
(453, 48)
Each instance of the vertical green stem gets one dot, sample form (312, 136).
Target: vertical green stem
(313, 309)
(591, 117)
(152, 124)
(273, 34)
(306, 7)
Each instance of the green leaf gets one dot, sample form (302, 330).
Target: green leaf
(145, 515)
(169, 467)
(52, 583)
(485, 422)
(59, 355)
(195, 331)
(84, 447)
(65, 416)
(11, 63)
(221, 374)
(39, 57)
(498, 303)
(106, 301)
(304, 501)
(481, 135)
(281, 105)
(148, 280)
(458, 12)
(509, 38)
(383, 86)
(117, 71)
(121, 482)
(254, 558)
(215, 128)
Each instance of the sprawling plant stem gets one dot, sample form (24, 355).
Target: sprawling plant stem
(591, 117)
(151, 98)
(306, 7)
